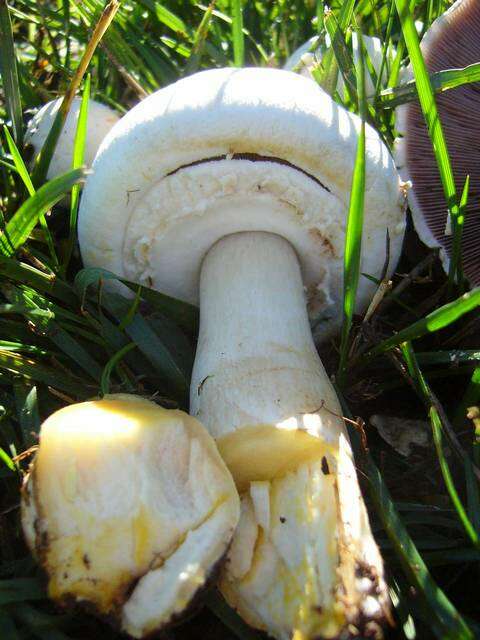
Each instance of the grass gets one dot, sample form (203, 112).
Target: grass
(66, 338)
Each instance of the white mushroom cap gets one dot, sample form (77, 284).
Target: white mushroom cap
(451, 42)
(304, 59)
(128, 508)
(233, 150)
(100, 120)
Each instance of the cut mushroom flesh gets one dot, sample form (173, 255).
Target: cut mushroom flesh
(128, 508)
(251, 192)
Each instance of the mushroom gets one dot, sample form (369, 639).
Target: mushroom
(128, 508)
(451, 42)
(100, 120)
(310, 54)
(231, 190)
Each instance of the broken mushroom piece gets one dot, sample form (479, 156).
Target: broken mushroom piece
(240, 178)
(129, 509)
(310, 54)
(100, 120)
(452, 42)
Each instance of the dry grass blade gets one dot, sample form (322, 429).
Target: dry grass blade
(43, 159)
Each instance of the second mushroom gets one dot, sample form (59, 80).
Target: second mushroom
(230, 189)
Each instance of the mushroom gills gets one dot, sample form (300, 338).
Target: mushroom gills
(303, 561)
(129, 509)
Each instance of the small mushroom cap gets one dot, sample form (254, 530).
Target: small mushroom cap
(231, 150)
(452, 41)
(100, 120)
(303, 59)
(128, 508)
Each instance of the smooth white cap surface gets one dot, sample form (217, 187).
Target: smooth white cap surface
(100, 120)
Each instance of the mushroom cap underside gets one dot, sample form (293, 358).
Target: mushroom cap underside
(231, 150)
(452, 42)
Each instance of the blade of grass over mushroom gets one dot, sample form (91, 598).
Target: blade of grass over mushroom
(434, 321)
(42, 161)
(25, 219)
(9, 73)
(343, 57)
(441, 615)
(237, 33)
(458, 233)
(328, 73)
(437, 430)
(77, 161)
(429, 108)
(198, 45)
(441, 81)
(353, 233)
(25, 176)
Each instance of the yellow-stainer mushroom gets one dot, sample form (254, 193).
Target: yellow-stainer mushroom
(231, 188)
(129, 509)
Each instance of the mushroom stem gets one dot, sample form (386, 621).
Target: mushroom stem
(256, 361)
(303, 562)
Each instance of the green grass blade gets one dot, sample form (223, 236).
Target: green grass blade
(23, 222)
(441, 81)
(328, 74)
(199, 40)
(354, 227)
(185, 315)
(25, 176)
(9, 72)
(32, 370)
(45, 318)
(429, 108)
(434, 321)
(27, 408)
(458, 233)
(19, 163)
(437, 429)
(77, 162)
(6, 459)
(237, 33)
(42, 161)
(110, 366)
(441, 615)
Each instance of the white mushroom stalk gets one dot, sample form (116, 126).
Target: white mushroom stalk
(240, 179)
(129, 509)
(303, 559)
